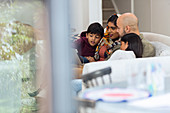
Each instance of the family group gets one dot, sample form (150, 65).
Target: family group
(121, 39)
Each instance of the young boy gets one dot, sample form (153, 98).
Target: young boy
(88, 41)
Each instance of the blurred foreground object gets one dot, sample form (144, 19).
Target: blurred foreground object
(16, 39)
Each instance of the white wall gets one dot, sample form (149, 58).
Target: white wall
(142, 9)
(153, 15)
(123, 5)
(76, 15)
(95, 11)
(83, 13)
(160, 16)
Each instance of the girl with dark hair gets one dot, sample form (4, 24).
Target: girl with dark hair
(109, 41)
(132, 42)
(131, 47)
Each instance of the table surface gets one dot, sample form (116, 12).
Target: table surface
(124, 107)
(77, 71)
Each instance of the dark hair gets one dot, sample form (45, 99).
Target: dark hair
(134, 44)
(96, 28)
(113, 19)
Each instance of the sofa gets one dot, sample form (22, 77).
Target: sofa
(122, 68)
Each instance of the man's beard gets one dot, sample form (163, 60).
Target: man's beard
(124, 32)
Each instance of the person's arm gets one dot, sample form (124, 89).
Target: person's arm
(90, 59)
(148, 49)
(87, 59)
(102, 51)
(110, 51)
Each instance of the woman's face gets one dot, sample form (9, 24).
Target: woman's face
(112, 30)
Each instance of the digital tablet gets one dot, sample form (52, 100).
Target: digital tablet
(76, 58)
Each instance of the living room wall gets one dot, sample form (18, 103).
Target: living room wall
(84, 12)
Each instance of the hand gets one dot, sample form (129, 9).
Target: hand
(90, 59)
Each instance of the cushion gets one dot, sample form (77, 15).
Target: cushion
(165, 53)
(161, 49)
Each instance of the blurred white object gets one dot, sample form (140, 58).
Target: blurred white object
(156, 102)
(148, 76)
(155, 77)
(10, 86)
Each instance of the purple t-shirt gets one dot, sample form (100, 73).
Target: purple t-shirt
(83, 47)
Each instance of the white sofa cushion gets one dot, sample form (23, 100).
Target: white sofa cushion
(161, 49)
(122, 68)
(157, 37)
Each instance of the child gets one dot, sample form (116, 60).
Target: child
(131, 47)
(88, 41)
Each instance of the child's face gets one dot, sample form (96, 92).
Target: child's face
(123, 45)
(93, 39)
